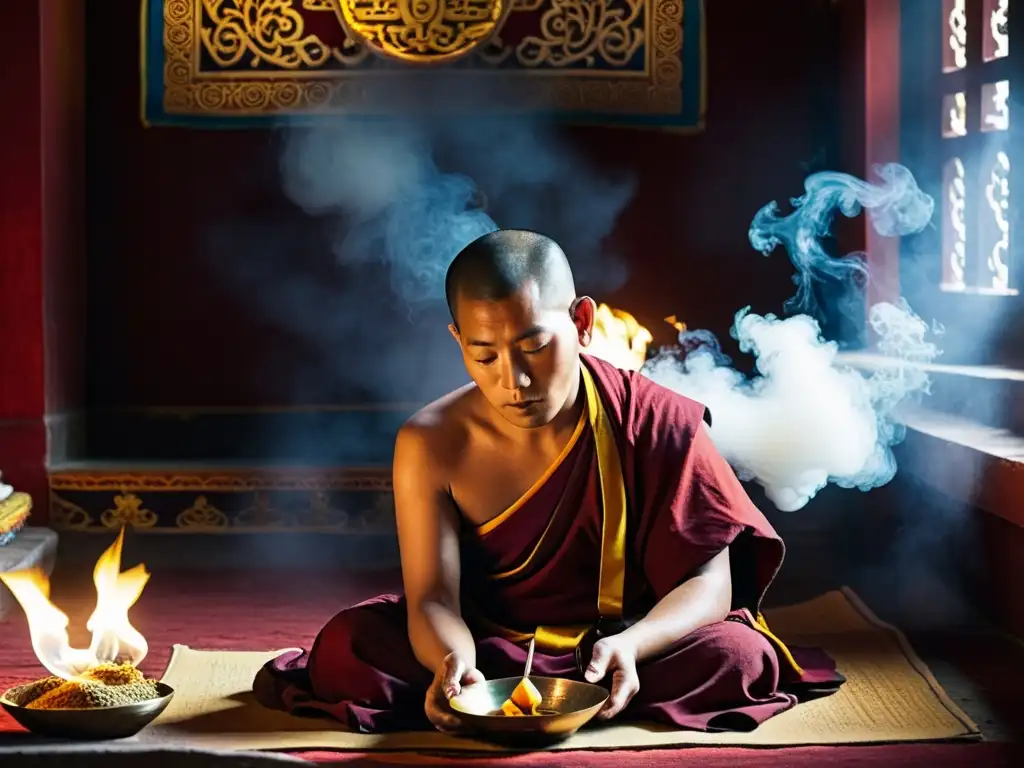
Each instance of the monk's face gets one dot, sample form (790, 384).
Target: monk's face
(524, 356)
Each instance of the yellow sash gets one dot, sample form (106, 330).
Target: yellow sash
(613, 534)
(611, 586)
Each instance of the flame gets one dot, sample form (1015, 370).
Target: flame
(676, 323)
(619, 339)
(114, 639)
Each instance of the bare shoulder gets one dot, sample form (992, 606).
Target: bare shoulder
(437, 434)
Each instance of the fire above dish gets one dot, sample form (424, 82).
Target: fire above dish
(101, 683)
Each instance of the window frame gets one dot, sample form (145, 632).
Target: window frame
(969, 315)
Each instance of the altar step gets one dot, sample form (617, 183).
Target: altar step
(217, 497)
(231, 470)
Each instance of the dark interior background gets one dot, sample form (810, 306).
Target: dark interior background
(165, 331)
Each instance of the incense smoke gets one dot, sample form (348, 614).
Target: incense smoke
(806, 419)
(390, 202)
(398, 207)
(896, 207)
(356, 279)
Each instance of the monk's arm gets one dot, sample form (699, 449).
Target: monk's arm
(428, 540)
(704, 598)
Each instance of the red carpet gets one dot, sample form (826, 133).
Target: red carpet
(274, 609)
(931, 755)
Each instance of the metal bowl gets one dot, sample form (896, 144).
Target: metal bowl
(566, 706)
(93, 724)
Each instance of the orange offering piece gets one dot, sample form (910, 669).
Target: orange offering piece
(524, 700)
(509, 709)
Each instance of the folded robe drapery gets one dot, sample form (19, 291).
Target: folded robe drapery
(637, 501)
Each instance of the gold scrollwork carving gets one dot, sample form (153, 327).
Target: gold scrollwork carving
(581, 31)
(213, 480)
(321, 514)
(265, 31)
(202, 514)
(577, 33)
(310, 512)
(423, 31)
(67, 515)
(262, 514)
(128, 510)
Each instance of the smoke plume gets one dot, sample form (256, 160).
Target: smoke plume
(381, 190)
(805, 419)
(390, 201)
(354, 276)
(896, 207)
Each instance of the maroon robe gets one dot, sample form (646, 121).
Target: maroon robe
(539, 564)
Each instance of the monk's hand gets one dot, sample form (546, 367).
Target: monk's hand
(614, 656)
(448, 681)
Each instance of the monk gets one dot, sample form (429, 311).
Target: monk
(561, 499)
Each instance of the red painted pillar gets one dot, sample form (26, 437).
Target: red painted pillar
(41, 236)
(871, 125)
(62, 42)
(22, 374)
(881, 132)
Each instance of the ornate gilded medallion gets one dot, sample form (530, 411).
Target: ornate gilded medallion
(423, 31)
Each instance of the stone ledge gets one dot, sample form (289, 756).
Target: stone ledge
(986, 394)
(968, 442)
(978, 465)
(31, 547)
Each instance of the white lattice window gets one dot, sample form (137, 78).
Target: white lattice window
(978, 190)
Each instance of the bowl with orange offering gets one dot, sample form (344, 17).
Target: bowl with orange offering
(528, 709)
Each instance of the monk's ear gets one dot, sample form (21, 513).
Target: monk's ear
(583, 311)
(455, 333)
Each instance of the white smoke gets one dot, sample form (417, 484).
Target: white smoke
(805, 419)
(390, 200)
(383, 189)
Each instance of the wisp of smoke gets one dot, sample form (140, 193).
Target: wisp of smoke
(380, 187)
(895, 207)
(806, 419)
(353, 277)
(392, 202)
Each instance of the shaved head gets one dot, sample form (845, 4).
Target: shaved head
(494, 267)
(520, 325)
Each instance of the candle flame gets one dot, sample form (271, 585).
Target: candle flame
(114, 639)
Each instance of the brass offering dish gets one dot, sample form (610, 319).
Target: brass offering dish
(98, 723)
(108, 702)
(566, 706)
(96, 692)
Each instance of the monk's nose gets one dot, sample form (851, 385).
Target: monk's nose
(514, 376)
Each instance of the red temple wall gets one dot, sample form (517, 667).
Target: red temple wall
(21, 317)
(63, 171)
(162, 333)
